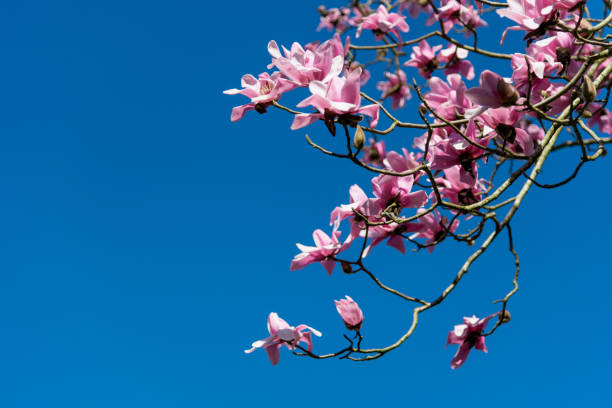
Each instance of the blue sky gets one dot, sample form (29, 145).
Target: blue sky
(145, 238)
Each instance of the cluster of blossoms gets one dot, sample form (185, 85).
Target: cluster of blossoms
(423, 195)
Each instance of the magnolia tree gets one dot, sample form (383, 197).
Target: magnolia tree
(444, 185)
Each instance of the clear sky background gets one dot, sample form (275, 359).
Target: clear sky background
(144, 238)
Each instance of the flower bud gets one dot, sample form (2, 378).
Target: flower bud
(346, 267)
(350, 312)
(588, 89)
(358, 138)
(507, 93)
(505, 317)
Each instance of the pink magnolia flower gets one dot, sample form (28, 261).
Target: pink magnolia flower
(602, 119)
(375, 152)
(468, 335)
(452, 12)
(357, 198)
(460, 186)
(493, 92)
(448, 98)
(350, 312)
(382, 22)
(315, 62)
(414, 7)
(533, 15)
(337, 98)
(558, 50)
(262, 91)
(456, 61)
(423, 57)
(456, 150)
(281, 334)
(324, 251)
(433, 227)
(537, 67)
(393, 191)
(396, 87)
(334, 19)
(505, 123)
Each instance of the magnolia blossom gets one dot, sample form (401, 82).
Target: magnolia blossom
(423, 57)
(452, 12)
(382, 22)
(493, 91)
(339, 97)
(396, 87)
(456, 61)
(262, 91)
(326, 247)
(468, 335)
(315, 62)
(532, 15)
(375, 152)
(334, 19)
(433, 228)
(350, 312)
(448, 98)
(281, 334)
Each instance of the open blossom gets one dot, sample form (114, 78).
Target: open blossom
(396, 87)
(532, 15)
(281, 334)
(432, 227)
(326, 247)
(382, 22)
(262, 91)
(315, 62)
(423, 57)
(460, 186)
(456, 61)
(493, 91)
(452, 12)
(375, 152)
(448, 98)
(337, 98)
(334, 19)
(468, 335)
(506, 123)
(350, 312)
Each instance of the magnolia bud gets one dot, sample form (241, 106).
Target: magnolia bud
(358, 138)
(588, 89)
(505, 317)
(508, 94)
(346, 267)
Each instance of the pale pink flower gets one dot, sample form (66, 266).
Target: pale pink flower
(456, 61)
(357, 198)
(414, 7)
(281, 334)
(468, 335)
(315, 62)
(433, 227)
(350, 312)
(337, 98)
(448, 98)
(375, 152)
(533, 15)
(382, 22)
(262, 91)
(452, 12)
(324, 251)
(493, 92)
(460, 186)
(423, 57)
(456, 150)
(602, 119)
(334, 19)
(396, 87)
